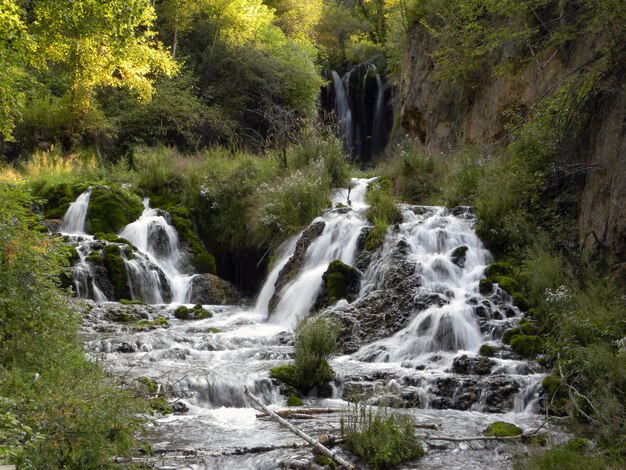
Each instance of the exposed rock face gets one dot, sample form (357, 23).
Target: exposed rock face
(294, 264)
(208, 289)
(443, 120)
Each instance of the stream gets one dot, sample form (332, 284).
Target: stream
(411, 338)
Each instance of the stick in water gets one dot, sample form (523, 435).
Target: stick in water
(323, 450)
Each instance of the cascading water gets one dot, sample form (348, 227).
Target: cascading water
(432, 262)
(76, 215)
(342, 109)
(152, 235)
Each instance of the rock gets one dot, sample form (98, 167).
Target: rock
(485, 286)
(340, 281)
(158, 241)
(208, 289)
(459, 256)
(479, 365)
(499, 394)
(179, 407)
(293, 266)
(126, 348)
(52, 225)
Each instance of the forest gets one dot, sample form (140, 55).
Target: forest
(241, 120)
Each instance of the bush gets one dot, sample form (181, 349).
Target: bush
(381, 439)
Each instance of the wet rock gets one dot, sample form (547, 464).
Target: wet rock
(459, 256)
(179, 407)
(499, 394)
(208, 289)
(53, 225)
(293, 266)
(340, 281)
(126, 348)
(158, 241)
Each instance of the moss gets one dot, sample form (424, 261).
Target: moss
(161, 405)
(284, 373)
(144, 325)
(507, 283)
(202, 260)
(526, 345)
(294, 400)
(151, 386)
(324, 461)
(527, 327)
(111, 237)
(341, 282)
(498, 269)
(535, 440)
(580, 445)
(197, 312)
(376, 236)
(212, 330)
(116, 269)
(520, 301)
(487, 350)
(71, 254)
(131, 302)
(111, 208)
(509, 334)
(485, 286)
(502, 429)
(58, 197)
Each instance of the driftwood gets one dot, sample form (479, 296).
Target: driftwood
(304, 411)
(323, 450)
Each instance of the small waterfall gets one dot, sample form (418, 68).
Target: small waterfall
(378, 125)
(76, 215)
(337, 241)
(342, 109)
(84, 278)
(152, 235)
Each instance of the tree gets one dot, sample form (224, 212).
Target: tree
(92, 44)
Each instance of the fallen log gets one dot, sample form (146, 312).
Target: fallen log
(433, 426)
(320, 448)
(289, 415)
(306, 411)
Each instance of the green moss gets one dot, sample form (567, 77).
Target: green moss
(212, 330)
(340, 281)
(507, 283)
(111, 208)
(197, 312)
(509, 334)
(150, 385)
(580, 445)
(487, 350)
(535, 440)
(502, 429)
(498, 269)
(485, 286)
(520, 301)
(111, 237)
(203, 261)
(376, 236)
(284, 373)
(324, 461)
(58, 197)
(116, 269)
(161, 405)
(143, 325)
(526, 346)
(527, 327)
(294, 400)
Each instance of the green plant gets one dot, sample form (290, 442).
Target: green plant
(381, 439)
(502, 429)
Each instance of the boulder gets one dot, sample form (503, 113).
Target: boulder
(340, 281)
(459, 256)
(208, 289)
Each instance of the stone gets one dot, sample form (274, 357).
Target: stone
(459, 256)
(208, 289)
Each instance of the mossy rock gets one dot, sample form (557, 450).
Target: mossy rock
(284, 374)
(498, 269)
(551, 385)
(557, 395)
(114, 264)
(502, 429)
(202, 261)
(161, 405)
(527, 327)
(509, 334)
(197, 312)
(526, 345)
(111, 208)
(111, 237)
(212, 330)
(485, 286)
(520, 301)
(341, 282)
(151, 386)
(294, 400)
(487, 350)
(507, 283)
(535, 440)
(58, 197)
(324, 461)
(375, 237)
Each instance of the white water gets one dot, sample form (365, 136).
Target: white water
(207, 363)
(152, 235)
(342, 109)
(337, 241)
(76, 215)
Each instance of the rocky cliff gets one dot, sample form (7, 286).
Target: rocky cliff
(445, 120)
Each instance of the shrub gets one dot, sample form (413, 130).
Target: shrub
(381, 439)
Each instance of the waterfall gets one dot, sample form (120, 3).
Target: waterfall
(337, 241)
(378, 125)
(342, 109)
(152, 235)
(75, 217)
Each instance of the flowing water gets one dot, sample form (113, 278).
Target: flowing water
(206, 364)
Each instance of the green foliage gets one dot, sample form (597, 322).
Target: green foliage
(202, 261)
(58, 408)
(294, 400)
(382, 212)
(562, 458)
(502, 429)
(487, 350)
(381, 439)
(315, 340)
(526, 345)
(111, 208)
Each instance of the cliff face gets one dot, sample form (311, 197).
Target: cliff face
(445, 121)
